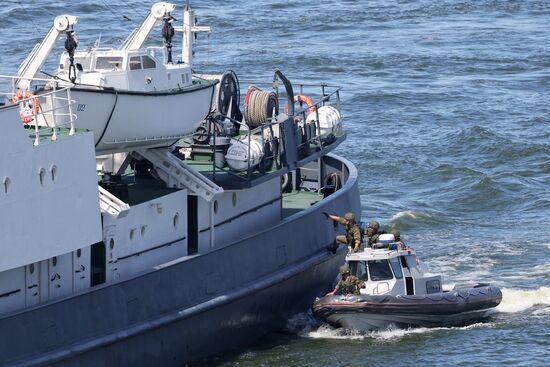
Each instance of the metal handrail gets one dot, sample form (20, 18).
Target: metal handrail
(53, 95)
(271, 125)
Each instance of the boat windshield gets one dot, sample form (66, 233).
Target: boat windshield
(380, 270)
(359, 269)
(396, 267)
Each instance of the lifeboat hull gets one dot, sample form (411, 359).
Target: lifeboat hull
(366, 313)
(123, 121)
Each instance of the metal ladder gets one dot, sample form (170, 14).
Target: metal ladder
(176, 174)
(111, 204)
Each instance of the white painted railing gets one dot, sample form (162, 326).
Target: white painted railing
(49, 109)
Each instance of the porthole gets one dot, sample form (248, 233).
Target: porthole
(132, 234)
(54, 261)
(111, 243)
(215, 206)
(31, 268)
(176, 220)
(7, 183)
(42, 175)
(234, 199)
(53, 171)
(143, 230)
(78, 253)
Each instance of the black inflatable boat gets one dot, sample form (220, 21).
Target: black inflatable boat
(368, 312)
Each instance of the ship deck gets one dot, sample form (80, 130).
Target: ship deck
(140, 190)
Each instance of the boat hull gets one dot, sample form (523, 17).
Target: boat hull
(367, 313)
(191, 307)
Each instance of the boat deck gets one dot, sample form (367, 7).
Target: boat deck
(296, 201)
(45, 134)
(140, 190)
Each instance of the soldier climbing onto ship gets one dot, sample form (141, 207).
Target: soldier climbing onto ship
(352, 238)
(349, 284)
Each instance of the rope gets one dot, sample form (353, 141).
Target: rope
(259, 106)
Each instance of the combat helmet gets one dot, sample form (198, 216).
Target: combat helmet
(349, 216)
(344, 270)
(374, 225)
(396, 234)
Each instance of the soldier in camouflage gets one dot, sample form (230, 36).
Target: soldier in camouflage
(349, 284)
(352, 237)
(372, 232)
(397, 240)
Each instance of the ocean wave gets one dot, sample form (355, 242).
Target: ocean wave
(517, 300)
(409, 218)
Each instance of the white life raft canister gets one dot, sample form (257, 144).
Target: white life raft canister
(237, 155)
(330, 119)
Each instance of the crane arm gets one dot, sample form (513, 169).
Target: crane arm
(36, 59)
(158, 12)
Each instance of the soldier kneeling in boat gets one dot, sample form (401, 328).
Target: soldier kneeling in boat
(397, 240)
(373, 232)
(352, 238)
(349, 284)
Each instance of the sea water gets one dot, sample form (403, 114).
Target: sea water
(447, 107)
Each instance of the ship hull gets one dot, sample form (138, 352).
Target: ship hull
(192, 307)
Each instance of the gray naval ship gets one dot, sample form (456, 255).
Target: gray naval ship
(133, 236)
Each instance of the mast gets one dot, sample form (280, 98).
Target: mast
(189, 29)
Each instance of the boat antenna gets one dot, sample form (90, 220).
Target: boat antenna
(97, 42)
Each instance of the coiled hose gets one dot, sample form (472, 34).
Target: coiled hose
(259, 105)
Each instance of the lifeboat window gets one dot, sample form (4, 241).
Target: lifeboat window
(135, 63)
(433, 286)
(380, 270)
(148, 63)
(108, 62)
(359, 269)
(86, 63)
(396, 267)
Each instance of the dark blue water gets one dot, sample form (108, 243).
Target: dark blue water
(447, 105)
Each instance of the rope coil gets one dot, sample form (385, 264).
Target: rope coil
(259, 105)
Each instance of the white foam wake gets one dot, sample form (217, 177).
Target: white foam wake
(388, 335)
(516, 300)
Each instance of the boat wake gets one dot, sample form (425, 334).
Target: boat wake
(517, 300)
(393, 334)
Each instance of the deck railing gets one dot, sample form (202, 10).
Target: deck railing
(269, 133)
(51, 107)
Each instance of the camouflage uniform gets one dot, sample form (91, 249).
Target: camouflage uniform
(353, 232)
(397, 236)
(372, 232)
(350, 285)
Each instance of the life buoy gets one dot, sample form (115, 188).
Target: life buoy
(302, 98)
(29, 108)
